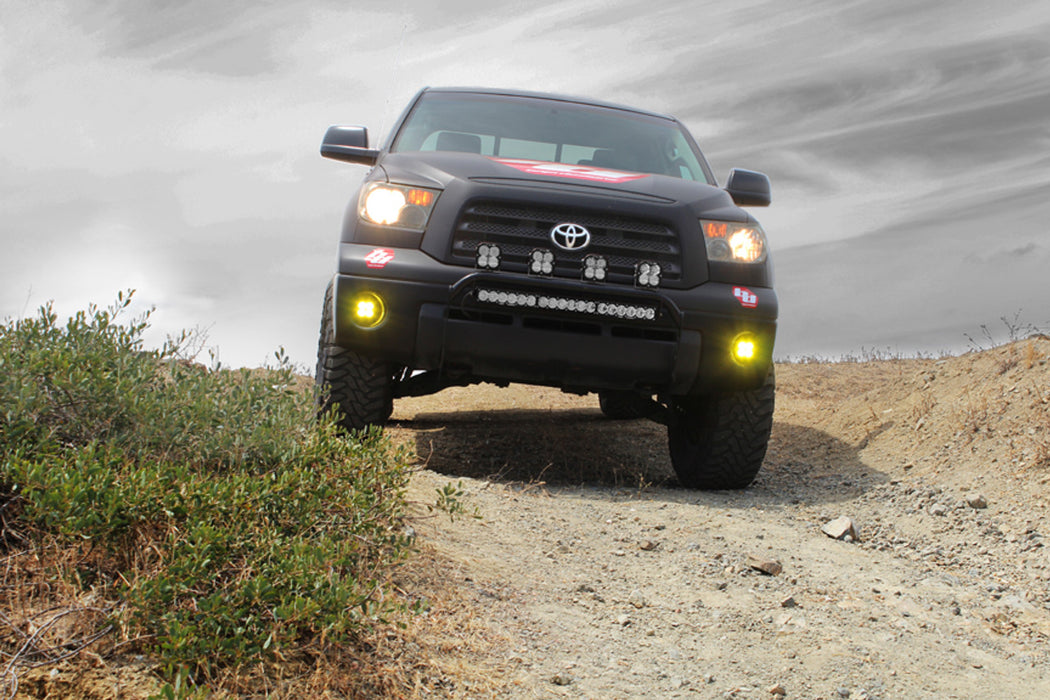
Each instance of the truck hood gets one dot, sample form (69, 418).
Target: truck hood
(438, 169)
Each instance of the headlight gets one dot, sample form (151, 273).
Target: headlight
(396, 205)
(729, 241)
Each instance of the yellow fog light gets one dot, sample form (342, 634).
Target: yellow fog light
(744, 349)
(367, 310)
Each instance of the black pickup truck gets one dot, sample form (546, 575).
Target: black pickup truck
(507, 236)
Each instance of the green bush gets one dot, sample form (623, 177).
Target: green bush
(236, 525)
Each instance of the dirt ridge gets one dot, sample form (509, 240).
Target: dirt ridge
(597, 577)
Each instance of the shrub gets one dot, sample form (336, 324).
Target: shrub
(234, 524)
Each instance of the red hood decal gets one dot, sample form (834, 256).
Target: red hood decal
(576, 172)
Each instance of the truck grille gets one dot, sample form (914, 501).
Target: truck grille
(519, 230)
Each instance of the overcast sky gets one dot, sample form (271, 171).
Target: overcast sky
(173, 147)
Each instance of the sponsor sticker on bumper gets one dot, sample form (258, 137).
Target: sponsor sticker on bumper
(379, 258)
(746, 297)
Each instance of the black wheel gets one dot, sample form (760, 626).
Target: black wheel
(621, 405)
(360, 386)
(719, 442)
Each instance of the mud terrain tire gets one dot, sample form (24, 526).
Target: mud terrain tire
(719, 442)
(361, 387)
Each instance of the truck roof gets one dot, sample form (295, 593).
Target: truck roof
(549, 96)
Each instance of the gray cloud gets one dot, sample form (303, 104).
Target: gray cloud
(173, 147)
(233, 38)
(915, 289)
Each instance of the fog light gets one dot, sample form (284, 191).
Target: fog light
(744, 349)
(367, 310)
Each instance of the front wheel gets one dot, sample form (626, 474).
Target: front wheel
(719, 441)
(360, 386)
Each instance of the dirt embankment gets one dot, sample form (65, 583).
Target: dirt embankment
(591, 574)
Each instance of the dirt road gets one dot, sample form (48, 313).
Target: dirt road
(591, 574)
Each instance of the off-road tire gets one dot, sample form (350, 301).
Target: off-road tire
(719, 442)
(361, 387)
(621, 405)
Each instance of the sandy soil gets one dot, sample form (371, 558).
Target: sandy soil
(591, 574)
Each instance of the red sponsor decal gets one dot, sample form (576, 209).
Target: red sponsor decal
(746, 297)
(379, 258)
(576, 172)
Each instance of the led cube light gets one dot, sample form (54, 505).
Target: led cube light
(744, 349)
(595, 268)
(647, 274)
(488, 256)
(541, 262)
(367, 310)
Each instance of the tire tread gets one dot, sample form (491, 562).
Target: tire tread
(720, 443)
(359, 386)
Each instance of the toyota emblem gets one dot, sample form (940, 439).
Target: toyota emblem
(570, 236)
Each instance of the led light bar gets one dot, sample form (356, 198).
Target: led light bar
(541, 262)
(488, 256)
(640, 312)
(595, 268)
(647, 274)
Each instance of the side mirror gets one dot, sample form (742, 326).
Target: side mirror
(348, 143)
(748, 188)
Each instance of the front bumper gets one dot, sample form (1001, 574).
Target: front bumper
(436, 319)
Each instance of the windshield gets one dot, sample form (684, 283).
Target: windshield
(549, 130)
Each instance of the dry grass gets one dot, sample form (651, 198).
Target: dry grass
(922, 410)
(975, 415)
(444, 652)
(55, 642)
(48, 617)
